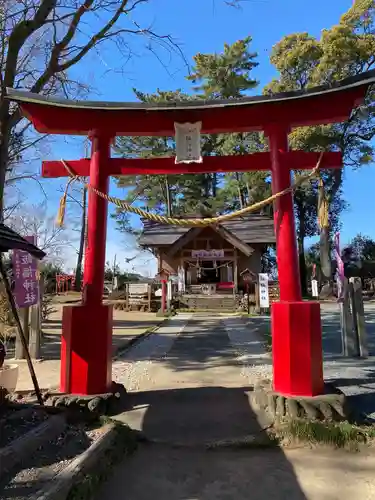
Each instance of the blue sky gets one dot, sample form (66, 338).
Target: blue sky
(204, 26)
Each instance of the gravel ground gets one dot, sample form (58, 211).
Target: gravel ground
(47, 462)
(249, 345)
(133, 368)
(14, 427)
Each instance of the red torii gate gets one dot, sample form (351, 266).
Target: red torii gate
(296, 325)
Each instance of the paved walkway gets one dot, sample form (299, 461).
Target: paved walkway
(196, 392)
(189, 384)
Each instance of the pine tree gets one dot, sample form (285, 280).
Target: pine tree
(225, 75)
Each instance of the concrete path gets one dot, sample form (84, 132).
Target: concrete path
(191, 384)
(196, 392)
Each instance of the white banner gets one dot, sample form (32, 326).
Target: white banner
(188, 142)
(314, 288)
(207, 254)
(169, 290)
(181, 279)
(264, 298)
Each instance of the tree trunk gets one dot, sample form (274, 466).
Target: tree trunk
(4, 155)
(168, 196)
(302, 263)
(78, 280)
(248, 189)
(240, 193)
(325, 262)
(325, 243)
(214, 185)
(207, 186)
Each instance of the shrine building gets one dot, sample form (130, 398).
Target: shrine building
(210, 259)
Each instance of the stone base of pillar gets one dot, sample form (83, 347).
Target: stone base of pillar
(297, 349)
(86, 349)
(332, 405)
(110, 403)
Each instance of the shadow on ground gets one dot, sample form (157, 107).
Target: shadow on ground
(191, 417)
(165, 473)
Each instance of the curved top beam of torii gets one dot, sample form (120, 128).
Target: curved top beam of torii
(318, 105)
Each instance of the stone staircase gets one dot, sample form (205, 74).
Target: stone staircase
(216, 302)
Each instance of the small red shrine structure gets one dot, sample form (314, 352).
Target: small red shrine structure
(65, 283)
(296, 325)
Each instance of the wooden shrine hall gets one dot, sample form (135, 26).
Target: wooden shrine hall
(210, 260)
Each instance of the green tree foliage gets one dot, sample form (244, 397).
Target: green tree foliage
(359, 259)
(361, 248)
(224, 75)
(304, 61)
(48, 271)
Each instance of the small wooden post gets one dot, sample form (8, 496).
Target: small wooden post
(36, 324)
(127, 297)
(149, 292)
(257, 300)
(359, 316)
(24, 316)
(35, 332)
(349, 337)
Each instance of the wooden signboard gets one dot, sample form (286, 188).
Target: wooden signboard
(138, 288)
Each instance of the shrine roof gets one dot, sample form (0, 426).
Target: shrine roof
(317, 105)
(10, 240)
(252, 228)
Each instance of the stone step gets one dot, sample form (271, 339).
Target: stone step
(208, 303)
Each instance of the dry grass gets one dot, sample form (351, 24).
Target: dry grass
(334, 434)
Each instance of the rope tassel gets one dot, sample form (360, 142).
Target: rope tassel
(323, 206)
(61, 213)
(62, 207)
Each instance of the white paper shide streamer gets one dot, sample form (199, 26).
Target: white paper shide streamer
(188, 142)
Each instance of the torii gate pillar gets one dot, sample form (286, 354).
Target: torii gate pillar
(86, 344)
(296, 324)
